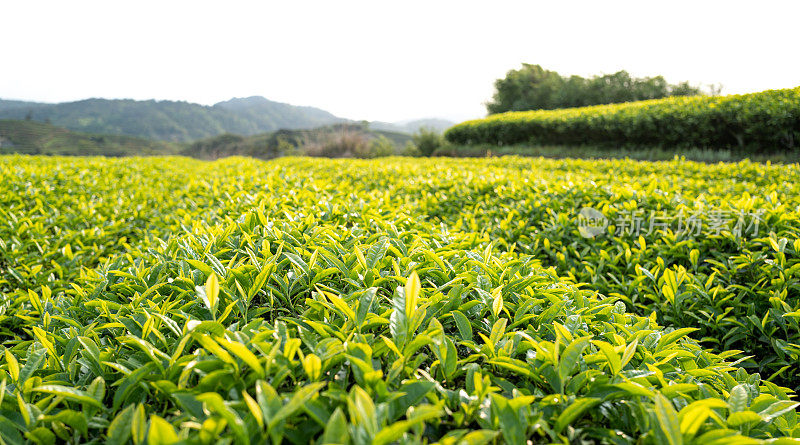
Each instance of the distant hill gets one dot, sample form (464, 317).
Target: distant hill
(170, 120)
(270, 115)
(184, 121)
(30, 137)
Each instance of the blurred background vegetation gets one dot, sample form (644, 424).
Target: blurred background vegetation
(535, 88)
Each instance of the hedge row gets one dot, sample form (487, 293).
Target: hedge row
(758, 122)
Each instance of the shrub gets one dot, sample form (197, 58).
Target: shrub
(760, 122)
(427, 140)
(340, 143)
(411, 150)
(377, 148)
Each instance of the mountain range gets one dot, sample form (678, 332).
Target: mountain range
(177, 121)
(336, 140)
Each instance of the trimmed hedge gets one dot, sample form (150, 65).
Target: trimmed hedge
(765, 121)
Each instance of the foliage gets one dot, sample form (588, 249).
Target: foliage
(739, 290)
(707, 155)
(341, 140)
(759, 122)
(410, 150)
(396, 300)
(535, 88)
(378, 148)
(337, 144)
(427, 140)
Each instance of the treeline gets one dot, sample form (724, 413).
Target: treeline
(535, 88)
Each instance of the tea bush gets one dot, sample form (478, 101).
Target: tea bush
(757, 122)
(387, 301)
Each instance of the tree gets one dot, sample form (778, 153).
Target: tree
(427, 140)
(529, 88)
(535, 88)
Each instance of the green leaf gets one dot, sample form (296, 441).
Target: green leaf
(254, 408)
(212, 292)
(497, 303)
(312, 365)
(139, 425)
(261, 278)
(300, 397)
(76, 420)
(119, 430)
(69, 393)
(13, 366)
(738, 398)
(570, 357)
(412, 291)
(778, 409)
(375, 254)
(630, 350)
(216, 405)
(161, 432)
(673, 337)
(41, 436)
(573, 411)
(336, 429)
(737, 419)
(668, 423)
(693, 415)
(463, 324)
(202, 267)
(35, 360)
(511, 425)
(614, 362)
(243, 353)
(478, 437)
(396, 430)
(342, 306)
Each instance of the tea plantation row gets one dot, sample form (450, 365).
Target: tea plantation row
(768, 121)
(169, 300)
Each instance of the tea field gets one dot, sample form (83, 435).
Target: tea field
(401, 300)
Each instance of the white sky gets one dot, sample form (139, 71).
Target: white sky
(381, 60)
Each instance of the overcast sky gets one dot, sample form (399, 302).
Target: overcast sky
(381, 60)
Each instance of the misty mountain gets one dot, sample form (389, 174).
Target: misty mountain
(178, 121)
(265, 113)
(170, 120)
